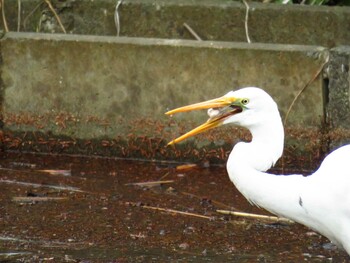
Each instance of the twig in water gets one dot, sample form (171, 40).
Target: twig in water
(193, 33)
(152, 183)
(3, 16)
(57, 187)
(7, 255)
(19, 4)
(116, 17)
(165, 175)
(246, 20)
(172, 211)
(56, 15)
(57, 172)
(188, 166)
(32, 199)
(256, 216)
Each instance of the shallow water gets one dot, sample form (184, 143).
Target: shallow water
(77, 209)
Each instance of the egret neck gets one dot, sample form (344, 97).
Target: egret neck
(248, 162)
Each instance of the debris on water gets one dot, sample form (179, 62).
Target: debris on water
(68, 258)
(256, 216)
(206, 164)
(152, 183)
(189, 230)
(23, 165)
(184, 246)
(319, 258)
(217, 203)
(170, 190)
(12, 239)
(57, 172)
(112, 173)
(184, 167)
(8, 255)
(163, 176)
(56, 187)
(205, 201)
(137, 236)
(35, 199)
(311, 233)
(173, 211)
(329, 246)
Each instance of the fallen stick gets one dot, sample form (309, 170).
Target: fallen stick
(44, 243)
(3, 16)
(31, 199)
(192, 32)
(57, 187)
(184, 167)
(7, 255)
(168, 210)
(116, 17)
(57, 172)
(165, 175)
(172, 211)
(19, 5)
(152, 183)
(256, 216)
(56, 15)
(246, 21)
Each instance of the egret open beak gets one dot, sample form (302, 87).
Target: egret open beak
(223, 108)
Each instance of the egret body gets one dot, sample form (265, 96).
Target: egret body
(320, 201)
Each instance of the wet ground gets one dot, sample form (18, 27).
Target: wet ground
(76, 209)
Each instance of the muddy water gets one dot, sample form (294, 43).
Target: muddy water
(74, 209)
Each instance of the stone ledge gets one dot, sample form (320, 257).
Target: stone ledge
(219, 20)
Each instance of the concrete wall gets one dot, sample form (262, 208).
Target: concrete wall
(88, 87)
(127, 78)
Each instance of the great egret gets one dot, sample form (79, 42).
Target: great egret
(320, 201)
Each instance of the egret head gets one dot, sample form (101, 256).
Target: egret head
(247, 107)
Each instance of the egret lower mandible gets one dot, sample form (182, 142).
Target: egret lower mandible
(320, 201)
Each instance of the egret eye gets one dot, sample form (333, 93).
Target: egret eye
(245, 101)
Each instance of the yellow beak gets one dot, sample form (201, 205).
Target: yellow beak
(224, 107)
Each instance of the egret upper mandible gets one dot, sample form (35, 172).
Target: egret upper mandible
(320, 201)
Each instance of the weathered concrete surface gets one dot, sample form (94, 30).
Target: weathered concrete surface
(219, 20)
(339, 93)
(338, 103)
(121, 79)
(116, 90)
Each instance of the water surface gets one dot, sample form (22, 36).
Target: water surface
(77, 209)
